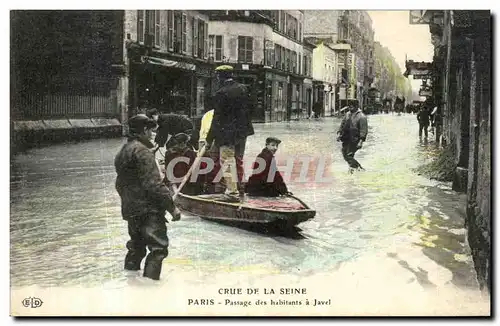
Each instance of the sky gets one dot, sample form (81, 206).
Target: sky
(393, 30)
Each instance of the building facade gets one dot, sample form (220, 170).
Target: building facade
(75, 69)
(265, 48)
(65, 65)
(355, 28)
(350, 34)
(167, 59)
(461, 89)
(325, 71)
(307, 70)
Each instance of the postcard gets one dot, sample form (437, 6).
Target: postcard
(250, 163)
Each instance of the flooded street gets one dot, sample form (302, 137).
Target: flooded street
(66, 227)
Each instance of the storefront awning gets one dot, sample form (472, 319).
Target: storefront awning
(168, 63)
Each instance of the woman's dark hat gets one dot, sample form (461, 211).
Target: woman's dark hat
(141, 121)
(180, 138)
(273, 140)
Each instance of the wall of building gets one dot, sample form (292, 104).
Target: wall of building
(62, 72)
(463, 59)
(231, 31)
(479, 176)
(321, 23)
(131, 17)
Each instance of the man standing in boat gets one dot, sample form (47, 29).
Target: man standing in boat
(230, 127)
(352, 133)
(144, 199)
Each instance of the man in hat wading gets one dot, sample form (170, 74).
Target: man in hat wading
(230, 127)
(144, 199)
(352, 133)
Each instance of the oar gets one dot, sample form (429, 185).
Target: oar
(188, 174)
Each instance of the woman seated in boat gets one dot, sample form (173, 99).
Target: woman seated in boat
(179, 148)
(258, 184)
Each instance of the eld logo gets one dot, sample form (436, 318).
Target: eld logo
(32, 302)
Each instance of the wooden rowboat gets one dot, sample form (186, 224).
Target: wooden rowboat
(283, 212)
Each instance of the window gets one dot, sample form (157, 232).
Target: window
(277, 55)
(291, 26)
(201, 38)
(299, 33)
(288, 61)
(140, 26)
(171, 24)
(177, 32)
(245, 49)
(279, 98)
(184, 33)
(269, 53)
(205, 36)
(300, 64)
(284, 59)
(195, 37)
(148, 27)
(216, 49)
(305, 64)
(211, 45)
(157, 28)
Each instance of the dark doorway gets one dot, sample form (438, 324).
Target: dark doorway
(289, 92)
(309, 102)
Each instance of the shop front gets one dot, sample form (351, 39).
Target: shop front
(170, 83)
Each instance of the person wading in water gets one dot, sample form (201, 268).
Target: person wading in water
(144, 199)
(352, 133)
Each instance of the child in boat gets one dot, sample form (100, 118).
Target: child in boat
(178, 147)
(257, 184)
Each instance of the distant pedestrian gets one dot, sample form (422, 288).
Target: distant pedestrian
(317, 109)
(144, 199)
(423, 118)
(352, 133)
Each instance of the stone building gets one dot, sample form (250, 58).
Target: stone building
(461, 88)
(265, 48)
(350, 34)
(167, 60)
(66, 68)
(307, 98)
(80, 70)
(325, 73)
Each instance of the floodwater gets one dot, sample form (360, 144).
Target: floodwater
(66, 227)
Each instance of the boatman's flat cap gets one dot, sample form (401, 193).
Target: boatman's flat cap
(224, 68)
(273, 140)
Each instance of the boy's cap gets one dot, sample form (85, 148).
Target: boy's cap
(138, 122)
(273, 140)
